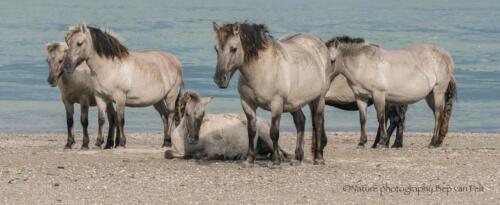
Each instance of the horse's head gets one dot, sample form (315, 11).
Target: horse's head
(334, 44)
(85, 42)
(55, 56)
(192, 109)
(237, 44)
(80, 47)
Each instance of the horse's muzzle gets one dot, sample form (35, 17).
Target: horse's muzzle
(222, 80)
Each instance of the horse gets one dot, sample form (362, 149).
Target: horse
(340, 96)
(214, 136)
(397, 77)
(75, 88)
(277, 75)
(127, 78)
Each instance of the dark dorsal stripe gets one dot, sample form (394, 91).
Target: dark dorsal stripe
(344, 40)
(107, 45)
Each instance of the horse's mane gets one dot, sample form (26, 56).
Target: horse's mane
(336, 41)
(105, 43)
(253, 37)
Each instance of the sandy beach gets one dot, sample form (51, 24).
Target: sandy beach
(36, 170)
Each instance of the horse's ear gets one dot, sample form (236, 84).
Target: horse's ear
(236, 29)
(215, 26)
(206, 100)
(336, 43)
(83, 28)
(49, 47)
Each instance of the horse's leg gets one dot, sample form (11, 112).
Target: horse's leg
(300, 122)
(170, 102)
(392, 115)
(379, 102)
(69, 122)
(120, 118)
(250, 113)
(111, 114)
(377, 138)
(166, 113)
(362, 107)
(438, 99)
(101, 109)
(400, 127)
(84, 118)
(319, 138)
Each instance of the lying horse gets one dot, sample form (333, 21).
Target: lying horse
(219, 137)
(397, 77)
(341, 96)
(277, 75)
(75, 88)
(134, 79)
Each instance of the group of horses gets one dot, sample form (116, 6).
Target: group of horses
(93, 68)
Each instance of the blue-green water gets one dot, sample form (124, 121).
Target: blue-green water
(470, 30)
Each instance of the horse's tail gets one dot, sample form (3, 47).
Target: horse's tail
(450, 96)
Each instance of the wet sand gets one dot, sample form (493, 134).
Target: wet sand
(36, 170)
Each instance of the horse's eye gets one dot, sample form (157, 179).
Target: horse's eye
(79, 44)
(60, 61)
(232, 50)
(215, 48)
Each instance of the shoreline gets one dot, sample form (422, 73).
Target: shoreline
(36, 169)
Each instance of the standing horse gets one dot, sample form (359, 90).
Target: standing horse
(423, 71)
(135, 79)
(76, 88)
(341, 96)
(278, 75)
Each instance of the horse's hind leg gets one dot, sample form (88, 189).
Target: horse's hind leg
(69, 122)
(435, 100)
(166, 109)
(300, 121)
(401, 127)
(319, 139)
(84, 118)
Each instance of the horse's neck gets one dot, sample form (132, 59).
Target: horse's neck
(255, 71)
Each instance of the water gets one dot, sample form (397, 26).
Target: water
(468, 29)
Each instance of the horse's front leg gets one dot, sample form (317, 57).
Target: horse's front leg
(101, 109)
(120, 118)
(300, 121)
(250, 113)
(69, 122)
(111, 114)
(379, 102)
(362, 107)
(84, 119)
(275, 134)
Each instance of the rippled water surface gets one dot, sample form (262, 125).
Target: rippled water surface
(468, 29)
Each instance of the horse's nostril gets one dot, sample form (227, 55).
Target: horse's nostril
(225, 78)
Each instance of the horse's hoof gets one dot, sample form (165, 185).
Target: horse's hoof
(248, 164)
(397, 146)
(432, 146)
(296, 163)
(169, 154)
(360, 146)
(84, 148)
(319, 162)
